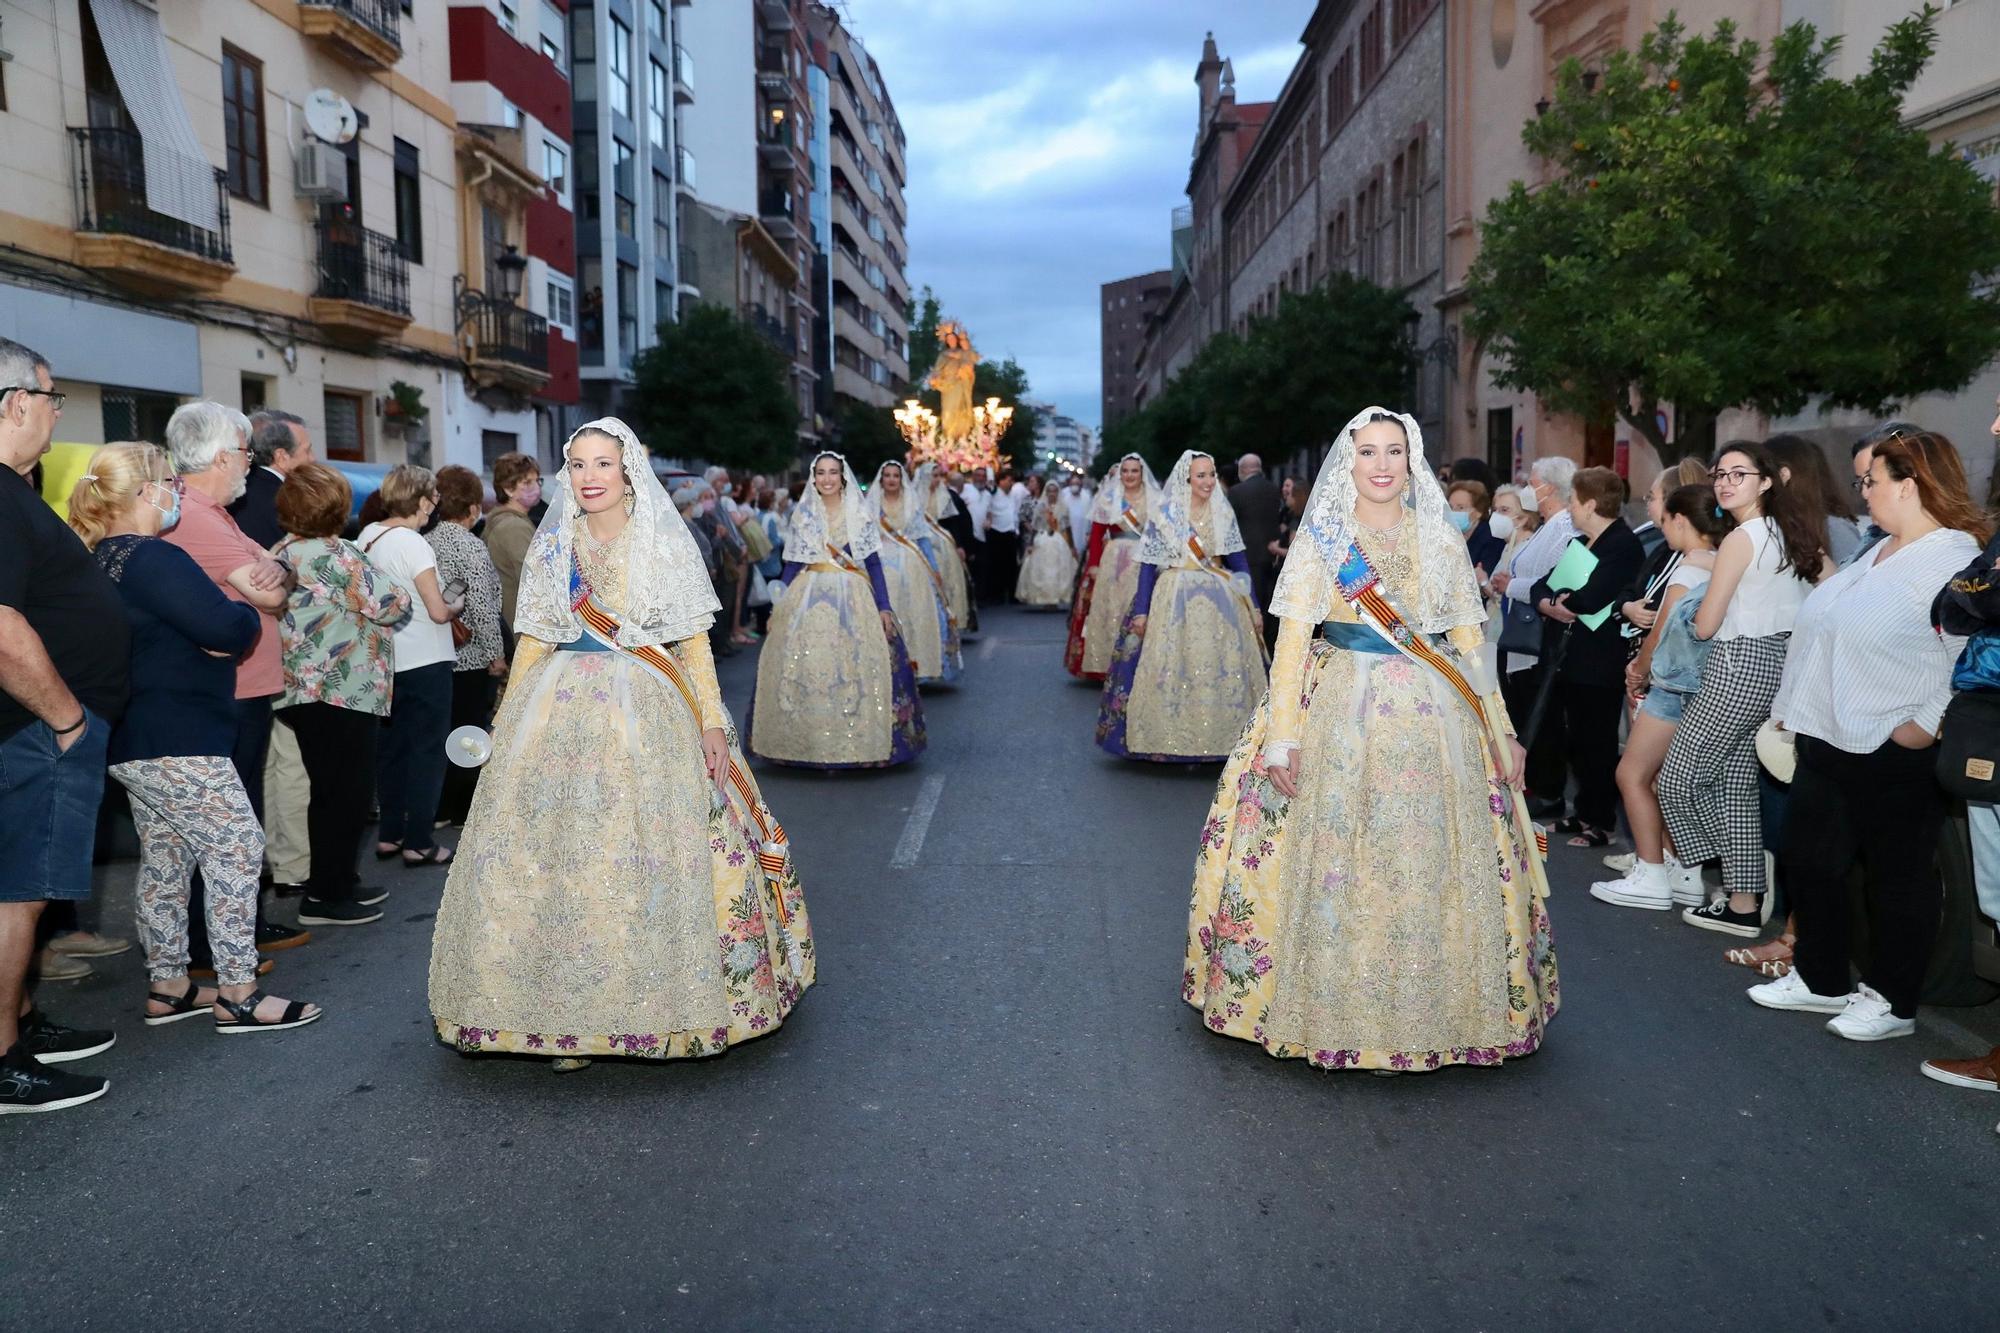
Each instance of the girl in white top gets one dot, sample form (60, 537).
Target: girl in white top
(1708, 782)
(1864, 692)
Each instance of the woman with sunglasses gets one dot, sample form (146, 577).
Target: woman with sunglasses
(1708, 782)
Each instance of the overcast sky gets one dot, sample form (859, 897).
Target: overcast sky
(1049, 144)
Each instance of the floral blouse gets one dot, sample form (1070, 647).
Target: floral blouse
(463, 558)
(339, 627)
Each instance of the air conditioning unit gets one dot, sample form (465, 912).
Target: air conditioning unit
(321, 172)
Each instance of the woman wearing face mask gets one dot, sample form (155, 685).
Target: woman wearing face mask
(517, 480)
(171, 750)
(624, 890)
(835, 686)
(1110, 567)
(1183, 682)
(1471, 513)
(916, 592)
(409, 765)
(1368, 893)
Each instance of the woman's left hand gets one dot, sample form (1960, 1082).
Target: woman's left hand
(1510, 759)
(889, 623)
(1556, 611)
(715, 754)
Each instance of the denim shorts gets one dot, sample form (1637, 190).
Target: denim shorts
(48, 812)
(1665, 705)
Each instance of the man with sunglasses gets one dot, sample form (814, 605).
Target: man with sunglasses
(64, 664)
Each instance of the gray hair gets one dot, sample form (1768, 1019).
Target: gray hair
(1558, 472)
(270, 432)
(18, 365)
(200, 430)
(1249, 465)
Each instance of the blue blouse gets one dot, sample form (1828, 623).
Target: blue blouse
(183, 699)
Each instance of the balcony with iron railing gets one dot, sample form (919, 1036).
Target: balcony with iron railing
(364, 33)
(777, 14)
(778, 210)
(774, 329)
(774, 145)
(363, 288)
(120, 235)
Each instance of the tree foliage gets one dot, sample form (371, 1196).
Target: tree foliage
(1291, 382)
(868, 436)
(923, 317)
(1711, 239)
(714, 388)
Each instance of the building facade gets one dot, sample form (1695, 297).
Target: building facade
(261, 203)
(867, 316)
(1127, 305)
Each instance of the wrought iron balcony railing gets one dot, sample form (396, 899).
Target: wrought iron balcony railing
(356, 264)
(382, 17)
(504, 332)
(111, 197)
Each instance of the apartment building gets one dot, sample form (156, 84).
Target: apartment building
(259, 202)
(866, 315)
(1127, 304)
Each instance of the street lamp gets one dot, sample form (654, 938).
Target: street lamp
(508, 270)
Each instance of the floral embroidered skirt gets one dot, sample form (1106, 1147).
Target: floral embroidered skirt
(943, 551)
(602, 901)
(1391, 915)
(832, 690)
(920, 613)
(1102, 599)
(1047, 572)
(1182, 692)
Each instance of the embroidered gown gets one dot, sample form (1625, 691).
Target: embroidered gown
(1110, 580)
(1391, 915)
(917, 595)
(1181, 692)
(834, 691)
(1048, 573)
(603, 902)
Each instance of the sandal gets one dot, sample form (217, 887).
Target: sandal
(393, 848)
(1758, 956)
(243, 1014)
(1567, 824)
(1586, 836)
(184, 1005)
(436, 856)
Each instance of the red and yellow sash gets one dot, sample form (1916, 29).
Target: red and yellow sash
(937, 576)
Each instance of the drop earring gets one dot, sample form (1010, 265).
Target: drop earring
(631, 501)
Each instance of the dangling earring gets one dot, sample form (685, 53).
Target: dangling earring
(631, 501)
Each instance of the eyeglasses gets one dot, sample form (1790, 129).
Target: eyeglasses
(57, 399)
(1736, 476)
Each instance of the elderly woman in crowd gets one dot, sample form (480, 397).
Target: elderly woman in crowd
(1589, 660)
(1471, 510)
(1549, 488)
(1865, 687)
(467, 570)
(409, 768)
(1708, 782)
(339, 657)
(731, 553)
(517, 482)
(171, 749)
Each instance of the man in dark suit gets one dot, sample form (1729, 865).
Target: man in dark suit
(279, 442)
(1255, 499)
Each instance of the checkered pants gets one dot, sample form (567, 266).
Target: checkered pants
(1708, 784)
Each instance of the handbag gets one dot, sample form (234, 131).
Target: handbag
(1520, 628)
(760, 589)
(1968, 760)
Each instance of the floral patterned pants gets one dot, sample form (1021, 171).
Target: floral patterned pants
(192, 809)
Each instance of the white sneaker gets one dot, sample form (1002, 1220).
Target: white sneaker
(1867, 1018)
(1791, 992)
(1645, 886)
(1622, 862)
(1685, 883)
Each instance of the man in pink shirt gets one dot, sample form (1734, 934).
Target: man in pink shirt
(209, 445)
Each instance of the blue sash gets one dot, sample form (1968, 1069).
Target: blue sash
(1356, 637)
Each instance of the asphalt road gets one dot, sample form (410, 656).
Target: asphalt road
(995, 1112)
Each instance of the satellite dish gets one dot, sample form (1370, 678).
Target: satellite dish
(330, 116)
(468, 747)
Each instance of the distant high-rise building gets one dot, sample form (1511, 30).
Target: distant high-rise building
(1128, 303)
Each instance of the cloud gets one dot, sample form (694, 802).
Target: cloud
(1049, 141)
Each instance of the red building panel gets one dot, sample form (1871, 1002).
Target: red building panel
(552, 234)
(564, 386)
(482, 52)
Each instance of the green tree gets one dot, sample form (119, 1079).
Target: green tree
(1713, 237)
(869, 436)
(714, 388)
(923, 318)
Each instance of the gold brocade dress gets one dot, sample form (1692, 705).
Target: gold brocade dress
(1117, 582)
(603, 902)
(1391, 915)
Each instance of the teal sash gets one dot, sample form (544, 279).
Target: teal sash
(1356, 637)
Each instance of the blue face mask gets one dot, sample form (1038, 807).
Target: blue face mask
(1460, 519)
(171, 514)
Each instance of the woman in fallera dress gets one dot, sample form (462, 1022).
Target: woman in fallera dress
(1110, 567)
(835, 688)
(1368, 893)
(916, 590)
(621, 888)
(934, 503)
(1048, 571)
(1189, 668)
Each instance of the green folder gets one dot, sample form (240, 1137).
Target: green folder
(1571, 572)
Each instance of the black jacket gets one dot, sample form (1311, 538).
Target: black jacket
(1255, 500)
(1595, 656)
(256, 510)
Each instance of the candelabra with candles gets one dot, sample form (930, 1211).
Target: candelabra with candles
(980, 447)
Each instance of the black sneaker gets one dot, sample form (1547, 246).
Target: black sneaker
(368, 895)
(1717, 916)
(27, 1086)
(322, 912)
(53, 1044)
(280, 889)
(272, 937)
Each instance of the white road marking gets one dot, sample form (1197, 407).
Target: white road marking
(911, 844)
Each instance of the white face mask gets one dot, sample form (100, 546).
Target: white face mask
(1500, 525)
